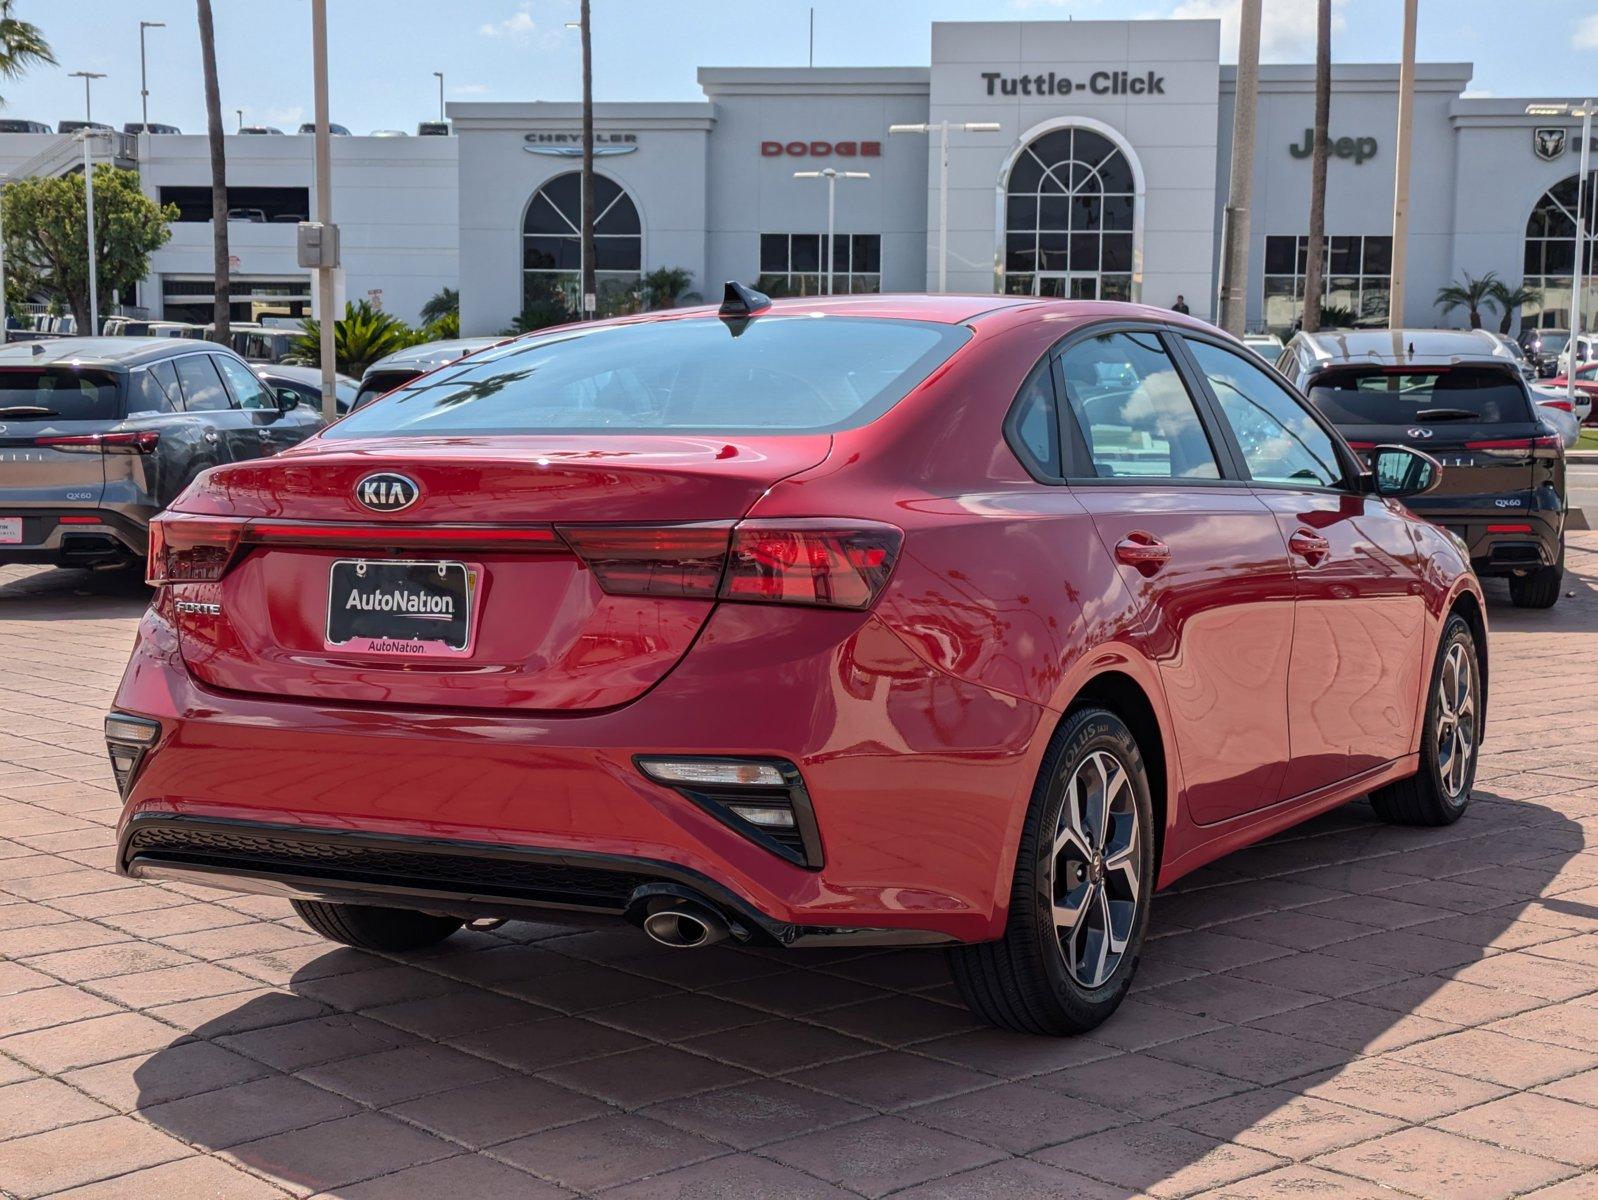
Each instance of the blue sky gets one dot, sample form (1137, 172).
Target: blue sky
(383, 52)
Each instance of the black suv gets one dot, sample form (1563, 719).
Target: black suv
(1458, 396)
(1543, 347)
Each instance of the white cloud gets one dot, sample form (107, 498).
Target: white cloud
(519, 26)
(468, 89)
(1586, 35)
(1287, 28)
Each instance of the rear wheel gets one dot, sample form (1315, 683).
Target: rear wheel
(1079, 904)
(1539, 589)
(373, 928)
(1439, 792)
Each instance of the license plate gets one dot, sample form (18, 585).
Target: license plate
(401, 608)
(10, 531)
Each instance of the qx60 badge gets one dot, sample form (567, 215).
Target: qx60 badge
(387, 492)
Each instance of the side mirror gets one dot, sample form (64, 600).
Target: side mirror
(287, 399)
(1403, 471)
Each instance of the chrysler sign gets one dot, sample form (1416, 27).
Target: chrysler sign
(1099, 83)
(570, 145)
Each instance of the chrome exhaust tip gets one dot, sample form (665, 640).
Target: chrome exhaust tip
(685, 927)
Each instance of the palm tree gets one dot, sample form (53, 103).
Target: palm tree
(443, 303)
(1317, 178)
(1509, 299)
(667, 287)
(213, 122)
(21, 45)
(1471, 295)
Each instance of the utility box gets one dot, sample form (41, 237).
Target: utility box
(317, 245)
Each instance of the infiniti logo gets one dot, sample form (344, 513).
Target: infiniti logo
(387, 492)
(1419, 433)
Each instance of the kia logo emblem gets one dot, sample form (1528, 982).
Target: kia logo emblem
(1414, 433)
(387, 492)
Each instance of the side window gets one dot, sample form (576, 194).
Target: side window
(249, 391)
(1133, 409)
(155, 389)
(1033, 422)
(202, 386)
(1281, 442)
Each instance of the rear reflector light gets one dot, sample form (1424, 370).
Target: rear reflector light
(713, 772)
(128, 441)
(190, 549)
(77, 520)
(1362, 445)
(126, 740)
(1561, 405)
(1509, 529)
(652, 560)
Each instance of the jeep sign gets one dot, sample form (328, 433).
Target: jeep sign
(1359, 149)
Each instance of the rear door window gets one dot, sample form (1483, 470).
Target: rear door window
(769, 374)
(1424, 395)
(59, 393)
(248, 391)
(202, 386)
(1136, 416)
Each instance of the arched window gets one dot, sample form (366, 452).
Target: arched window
(1070, 206)
(552, 248)
(1550, 264)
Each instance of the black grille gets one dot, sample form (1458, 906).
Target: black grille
(461, 871)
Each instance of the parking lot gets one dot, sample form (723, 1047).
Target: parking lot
(1352, 1010)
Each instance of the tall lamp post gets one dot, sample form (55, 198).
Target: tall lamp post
(144, 82)
(1233, 316)
(1396, 298)
(324, 208)
(942, 129)
(88, 202)
(5, 308)
(88, 77)
(439, 75)
(831, 175)
(1578, 275)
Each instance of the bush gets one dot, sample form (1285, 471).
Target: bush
(362, 336)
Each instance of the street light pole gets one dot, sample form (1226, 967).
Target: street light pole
(5, 308)
(88, 200)
(1401, 154)
(324, 206)
(144, 82)
(240, 113)
(1240, 180)
(831, 175)
(943, 128)
(440, 77)
(88, 77)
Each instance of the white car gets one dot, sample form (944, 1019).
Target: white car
(1586, 345)
(1560, 413)
(1267, 345)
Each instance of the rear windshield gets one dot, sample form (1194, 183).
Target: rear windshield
(59, 393)
(374, 386)
(1480, 395)
(704, 375)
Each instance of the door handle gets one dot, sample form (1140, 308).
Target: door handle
(1311, 547)
(1143, 551)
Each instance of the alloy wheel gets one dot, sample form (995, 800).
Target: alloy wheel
(1456, 720)
(1096, 869)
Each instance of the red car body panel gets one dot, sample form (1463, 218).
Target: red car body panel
(1277, 688)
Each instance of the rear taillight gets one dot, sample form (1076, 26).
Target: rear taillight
(652, 560)
(1561, 405)
(828, 563)
(1537, 447)
(190, 549)
(126, 441)
(811, 561)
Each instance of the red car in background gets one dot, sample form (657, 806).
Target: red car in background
(1586, 383)
(868, 620)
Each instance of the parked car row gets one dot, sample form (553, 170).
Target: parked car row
(70, 125)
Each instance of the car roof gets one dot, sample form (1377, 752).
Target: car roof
(98, 351)
(307, 375)
(1406, 347)
(430, 354)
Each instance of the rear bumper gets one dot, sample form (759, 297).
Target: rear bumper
(1503, 541)
(73, 537)
(918, 781)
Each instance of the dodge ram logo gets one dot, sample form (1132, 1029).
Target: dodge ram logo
(387, 492)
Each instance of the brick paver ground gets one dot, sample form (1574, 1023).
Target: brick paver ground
(1349, 1011)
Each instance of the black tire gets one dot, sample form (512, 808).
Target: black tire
(1540, 588)
(1023, 981)
(1426, 798)
(372, 928)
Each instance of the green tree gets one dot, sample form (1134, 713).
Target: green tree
(1509, 299)
(21, 45)
(444, 302)
(667, 287)
(1472, 295)
(360, 337)
(45, 246)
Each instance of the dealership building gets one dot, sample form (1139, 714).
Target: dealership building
(1106, 177)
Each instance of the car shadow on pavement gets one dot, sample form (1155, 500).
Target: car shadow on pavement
(39, 593)
(1346, 1007)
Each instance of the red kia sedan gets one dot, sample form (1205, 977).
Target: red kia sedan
(872, 620)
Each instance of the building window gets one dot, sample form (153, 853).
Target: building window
(552, 250)
(1070, 210)
(191, 298)
(1357, 277)
(795, 264)
(1551, 255)
(282, 205)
